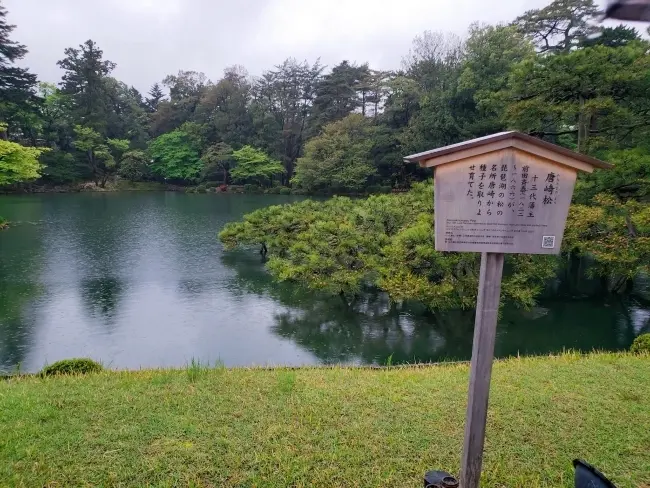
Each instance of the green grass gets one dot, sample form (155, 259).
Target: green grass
(213, 427)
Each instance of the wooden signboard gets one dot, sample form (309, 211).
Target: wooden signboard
(506, 202)
(504, 193)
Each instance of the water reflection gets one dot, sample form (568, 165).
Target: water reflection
(20, 289)
(371, 330)
(101, 297)
(140, 280)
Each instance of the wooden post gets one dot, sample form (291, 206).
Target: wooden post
(485, 325)
(505, 193)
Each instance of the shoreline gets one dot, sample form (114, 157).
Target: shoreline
(123, 185)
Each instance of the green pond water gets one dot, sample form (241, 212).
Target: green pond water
(140, 280)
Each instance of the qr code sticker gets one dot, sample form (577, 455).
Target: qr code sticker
(548, 242)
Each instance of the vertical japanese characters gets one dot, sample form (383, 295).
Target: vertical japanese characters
(497, 188)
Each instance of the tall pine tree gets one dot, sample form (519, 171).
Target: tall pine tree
(156, 95)
(16, 84)
(84, 81)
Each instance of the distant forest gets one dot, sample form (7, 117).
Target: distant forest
(554, 73)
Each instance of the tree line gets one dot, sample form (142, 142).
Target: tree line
(552, 72)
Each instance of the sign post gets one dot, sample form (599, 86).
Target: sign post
(504, 193)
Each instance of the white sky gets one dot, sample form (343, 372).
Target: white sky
(149, 39)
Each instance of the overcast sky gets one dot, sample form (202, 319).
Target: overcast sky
(149, 39)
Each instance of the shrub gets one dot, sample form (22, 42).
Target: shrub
(72, 366)
(285, 191)
(4, 223)
(298, 191)
(641, 344)
(250, 188)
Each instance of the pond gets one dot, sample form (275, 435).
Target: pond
(138, 280)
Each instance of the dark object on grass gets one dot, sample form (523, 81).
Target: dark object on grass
(586, 476)
(638, 10)
(72, 366)
(439, 479)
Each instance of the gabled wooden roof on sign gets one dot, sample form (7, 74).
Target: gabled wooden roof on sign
(505, 140)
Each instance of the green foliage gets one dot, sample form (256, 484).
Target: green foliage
(342, 246)
(217, 160)
(250, 188)
(4, 223)
(16, 96)
(253, 165)
(378, 189)
(134, 166)
(340, 158)
(592, 96)
(615, 235)
(175, 156)
(72, 366)
(491, 52)
(613, 37)
(61, 167)
(561, 25)
(85, 82)
(552, 72)
(641, 344)
(100, 154)
(629, 178)
(19, 163)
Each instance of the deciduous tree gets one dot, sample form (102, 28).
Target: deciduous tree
(176, 156)
(338, 159)
(255, 166)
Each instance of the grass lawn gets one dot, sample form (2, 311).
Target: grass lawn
(325, 427)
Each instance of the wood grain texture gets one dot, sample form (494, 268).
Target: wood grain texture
(487, 308)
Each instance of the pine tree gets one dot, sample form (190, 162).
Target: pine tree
(156, 95)
(16, 84)
(85, 81)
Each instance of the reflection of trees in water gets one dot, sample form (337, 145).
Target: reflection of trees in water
(336, 334)
(16, 324)
(21, 260)
(101, 256)
(102, 296)
(587, 324)
(369, 330)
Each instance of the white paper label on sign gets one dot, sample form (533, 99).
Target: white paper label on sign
(548, 242)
